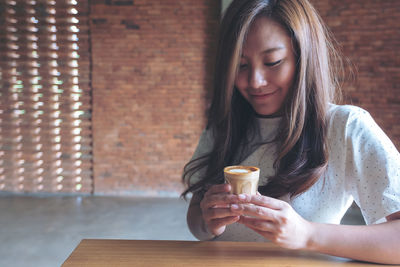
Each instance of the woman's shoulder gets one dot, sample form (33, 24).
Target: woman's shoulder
(356, 124)
(348, 116)
(349, 122)
(345, 112)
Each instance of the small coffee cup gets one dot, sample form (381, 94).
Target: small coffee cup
(243, 179)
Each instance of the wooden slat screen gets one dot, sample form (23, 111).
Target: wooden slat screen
(45, 109)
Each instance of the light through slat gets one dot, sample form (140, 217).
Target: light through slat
(45, 112)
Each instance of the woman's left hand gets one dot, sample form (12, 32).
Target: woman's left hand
(275, 220)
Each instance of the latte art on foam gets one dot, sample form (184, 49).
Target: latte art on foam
(239, 170)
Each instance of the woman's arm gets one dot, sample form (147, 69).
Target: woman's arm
(195, 220)
(277, 221)
(208, 216)
(374, 243)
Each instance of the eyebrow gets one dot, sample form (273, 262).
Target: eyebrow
(270, 50)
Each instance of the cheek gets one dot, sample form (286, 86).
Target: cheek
(286, 77)
(241, 81)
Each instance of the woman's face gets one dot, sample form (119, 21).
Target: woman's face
(267, 67)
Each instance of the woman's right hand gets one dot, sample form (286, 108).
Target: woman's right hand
(216, 208)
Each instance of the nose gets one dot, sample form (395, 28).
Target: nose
(257, 79)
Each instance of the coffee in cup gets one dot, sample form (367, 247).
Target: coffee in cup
(243, 179)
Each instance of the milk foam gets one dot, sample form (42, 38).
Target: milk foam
(238, 171)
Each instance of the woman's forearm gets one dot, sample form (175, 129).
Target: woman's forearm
(196, 223)
(374, 243)
(195, 220)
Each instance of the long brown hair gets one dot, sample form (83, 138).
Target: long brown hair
(301, 139)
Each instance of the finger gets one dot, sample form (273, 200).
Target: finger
(258, 224)
(213, 213)
(222, 206)
(258, 212)
(219, 188)
(266, 235)
(218, 223)
(219, 200)
(265, 201)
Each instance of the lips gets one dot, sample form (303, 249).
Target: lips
(263, 95)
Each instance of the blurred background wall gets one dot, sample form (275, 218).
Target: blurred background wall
(368, 34)
(152, 62)
(147, 68)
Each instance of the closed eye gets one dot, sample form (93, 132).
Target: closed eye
(271, 64)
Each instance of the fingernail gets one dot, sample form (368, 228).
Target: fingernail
(234, 207)
(242, 197)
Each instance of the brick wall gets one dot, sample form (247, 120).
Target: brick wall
(369, 34)
(151, 68)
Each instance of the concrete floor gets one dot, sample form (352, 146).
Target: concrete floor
(44, 230)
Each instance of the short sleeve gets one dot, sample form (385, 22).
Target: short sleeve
(204, 146)
(372, 167)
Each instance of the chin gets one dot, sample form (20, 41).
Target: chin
(268, 112)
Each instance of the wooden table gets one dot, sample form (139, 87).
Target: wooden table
(97, 252)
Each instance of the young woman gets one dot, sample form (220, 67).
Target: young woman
(274, 91)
